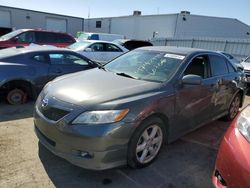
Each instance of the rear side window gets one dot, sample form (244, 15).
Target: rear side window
(46, 37)
(112, 48)
(97, 47)
(40, 58)
(218, 65)
(64, 38)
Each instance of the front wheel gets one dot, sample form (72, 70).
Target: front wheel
(146, 143)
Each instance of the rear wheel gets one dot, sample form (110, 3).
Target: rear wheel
(234, 108)
(146, 143)
(16, 96)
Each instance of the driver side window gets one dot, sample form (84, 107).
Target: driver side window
(199, 66)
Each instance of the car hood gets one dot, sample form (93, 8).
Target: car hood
(97, 86)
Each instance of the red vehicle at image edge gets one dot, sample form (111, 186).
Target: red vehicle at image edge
(232, 167)
(24, 37)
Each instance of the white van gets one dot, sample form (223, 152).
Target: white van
(81, 36)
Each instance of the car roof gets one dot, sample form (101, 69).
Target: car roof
(95, 41)
(173, 49)
(36, 48)
(42, 30)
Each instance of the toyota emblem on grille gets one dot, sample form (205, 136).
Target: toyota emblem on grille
(45, 102)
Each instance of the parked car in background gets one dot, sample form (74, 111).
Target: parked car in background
(82, 36)
(233, 163)
(99, 51)
(24, 37)
(124, 112)
(234, 60)
(246, 64)
(24, 71)
(132, 44)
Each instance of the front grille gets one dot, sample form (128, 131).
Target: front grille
(247, 72)
(51, 142)
(52, 113)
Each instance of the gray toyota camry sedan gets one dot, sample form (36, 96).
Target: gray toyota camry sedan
(126, 111)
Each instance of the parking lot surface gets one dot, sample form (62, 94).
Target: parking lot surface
(188, 162)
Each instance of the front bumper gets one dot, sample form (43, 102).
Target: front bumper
(105, 146)
(233, 162)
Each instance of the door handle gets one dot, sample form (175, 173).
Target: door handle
(58, 71)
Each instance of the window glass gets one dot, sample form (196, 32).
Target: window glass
(98, 47)
(64, 38)
(230, 67)
(98, 24)
(247, 60)
(218, 65)
(40, 58)
(66, 59)
(46, 37)
(146, 65)
(199, 66)
(112, 48)
(27, 37)
(94, 37)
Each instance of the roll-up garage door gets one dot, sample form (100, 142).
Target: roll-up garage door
(5, 19)
(56, 24)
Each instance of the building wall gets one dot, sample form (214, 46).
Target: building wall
(134, 27)
(170, 25)
(21, 19)
(205, 26)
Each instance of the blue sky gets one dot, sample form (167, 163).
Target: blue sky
(239, 9)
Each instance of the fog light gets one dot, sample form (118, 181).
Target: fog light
(85, 155)
(219, 177)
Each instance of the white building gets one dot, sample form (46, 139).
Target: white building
(16, 18)
(182, 25)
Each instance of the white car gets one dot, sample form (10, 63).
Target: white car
(246, 65)
(98, 51)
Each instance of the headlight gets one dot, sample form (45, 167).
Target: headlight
(101, 117)
(243, 123)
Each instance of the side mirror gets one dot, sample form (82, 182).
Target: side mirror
(88, 50)
(191, 79)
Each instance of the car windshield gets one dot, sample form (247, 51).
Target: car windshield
(78, 45)
(83, 36)
(146, 65)
(247, 60)
(11, 34)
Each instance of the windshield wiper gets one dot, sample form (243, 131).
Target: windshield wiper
(125, 75)
(100, 66)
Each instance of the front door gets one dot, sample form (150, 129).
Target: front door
(194, 103)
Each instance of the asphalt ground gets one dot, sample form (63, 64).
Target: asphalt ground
(188, 162)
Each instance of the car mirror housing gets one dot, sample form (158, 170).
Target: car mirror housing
(191, 79)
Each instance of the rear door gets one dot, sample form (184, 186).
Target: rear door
(65, 63)
(39, 69)
(226, 78)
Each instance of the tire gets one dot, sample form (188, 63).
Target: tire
(146, 143)
(233, 108)
(16, 96)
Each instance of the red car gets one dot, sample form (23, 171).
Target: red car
(232, 169)
(24, 37)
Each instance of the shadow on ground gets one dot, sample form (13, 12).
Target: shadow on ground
(181, 164)
(10, 112)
